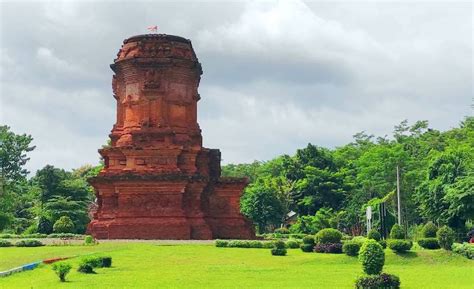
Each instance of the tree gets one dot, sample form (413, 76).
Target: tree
(260, 203)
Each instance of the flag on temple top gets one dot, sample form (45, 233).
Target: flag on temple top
(152, 28)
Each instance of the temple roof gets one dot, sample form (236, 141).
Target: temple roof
(157, 36)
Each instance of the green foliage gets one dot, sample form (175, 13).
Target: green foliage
(429, 230)
(429, 243)
(464, 249)
(4, 221)
(279, 248)
(374, 234)
(307, 247)
(383, 243)
(382, 281)
(445, 236)
(351, 248)
(29, 243)
(293, 244)
(45, 226)
(106, 261)
(308, 240)
(64, 225)
(372, 257)
(85, 268)
(89, 240)
(331, 248)
(5, 243)
(400, 246)
(313, 224)
(327, 236)
(221, 243)
(397, 232)
(282, 230)
(62, 269)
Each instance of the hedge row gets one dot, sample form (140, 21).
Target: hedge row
(42, 236)
(464, 249)
(22, 243)
(291, 244)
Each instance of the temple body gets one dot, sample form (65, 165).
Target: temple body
(158, 181)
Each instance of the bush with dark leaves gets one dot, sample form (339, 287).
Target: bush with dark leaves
(429, 243)
(400, 246)
(332, 248)
(382, 281)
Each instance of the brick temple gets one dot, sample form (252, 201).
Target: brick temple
(159, 182)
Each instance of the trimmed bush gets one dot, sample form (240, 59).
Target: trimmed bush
(445, 237)
(221, 243)
(383, 243)
(327, 236)
(359, 239)
(397, 232)
(29, 243)
(292, 244)
(278, 248)
(372, 257)
(85, 268)
(429, 230)
(89, 240)
(400, 246)
(63, 225)
(308, 244)
(351, 248)
(464, 249)
(332, 248)
(429, 243)
(382, 281)
(62, 269)
(5, 243)
(374, 234)
(65, 236)
(106, 261)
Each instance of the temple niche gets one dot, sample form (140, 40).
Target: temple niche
(158, 181)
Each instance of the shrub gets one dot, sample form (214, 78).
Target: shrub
(279, 248)
(65, 236)
(89, 240)
(36, 235)
(400, 246)
(429, 230)
(374, 234)
(333, 248)
(267, 245)
(45, 226)
(397, 232)
(327, 236)
(106, 261)
(282, 230)
(359, 239)
(464, 249)
(383, 243)
(372, 257)
(63, 225)
(292, 244)
(382, 281)
(445, 237)
(429, 243)
(351, 248)
(307, 248)
(94, 261)
(221, 243)
(4, 221)
(5, 243)
(29, 243)
(308, 240)
(85, 268)
(62, 269)
(8, 236)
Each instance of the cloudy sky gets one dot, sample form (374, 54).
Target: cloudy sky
(277, 75)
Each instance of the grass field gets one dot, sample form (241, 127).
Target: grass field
(148, 265)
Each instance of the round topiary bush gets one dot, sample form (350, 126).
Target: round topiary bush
(327, 236)
(279, 248)
(374, 234)
(292, 244)
(308, 239)
(351, 248)
(63, 225)
(400, 246)
(429, 230)
(372, 257)
(445, 237)
(397, 232)
(429, 243)
(383, 243)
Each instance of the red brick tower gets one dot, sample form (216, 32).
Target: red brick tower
(158, 181)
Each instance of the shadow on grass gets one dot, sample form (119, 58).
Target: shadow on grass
(407, 255)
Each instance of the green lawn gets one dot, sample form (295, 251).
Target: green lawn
(147, 265)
